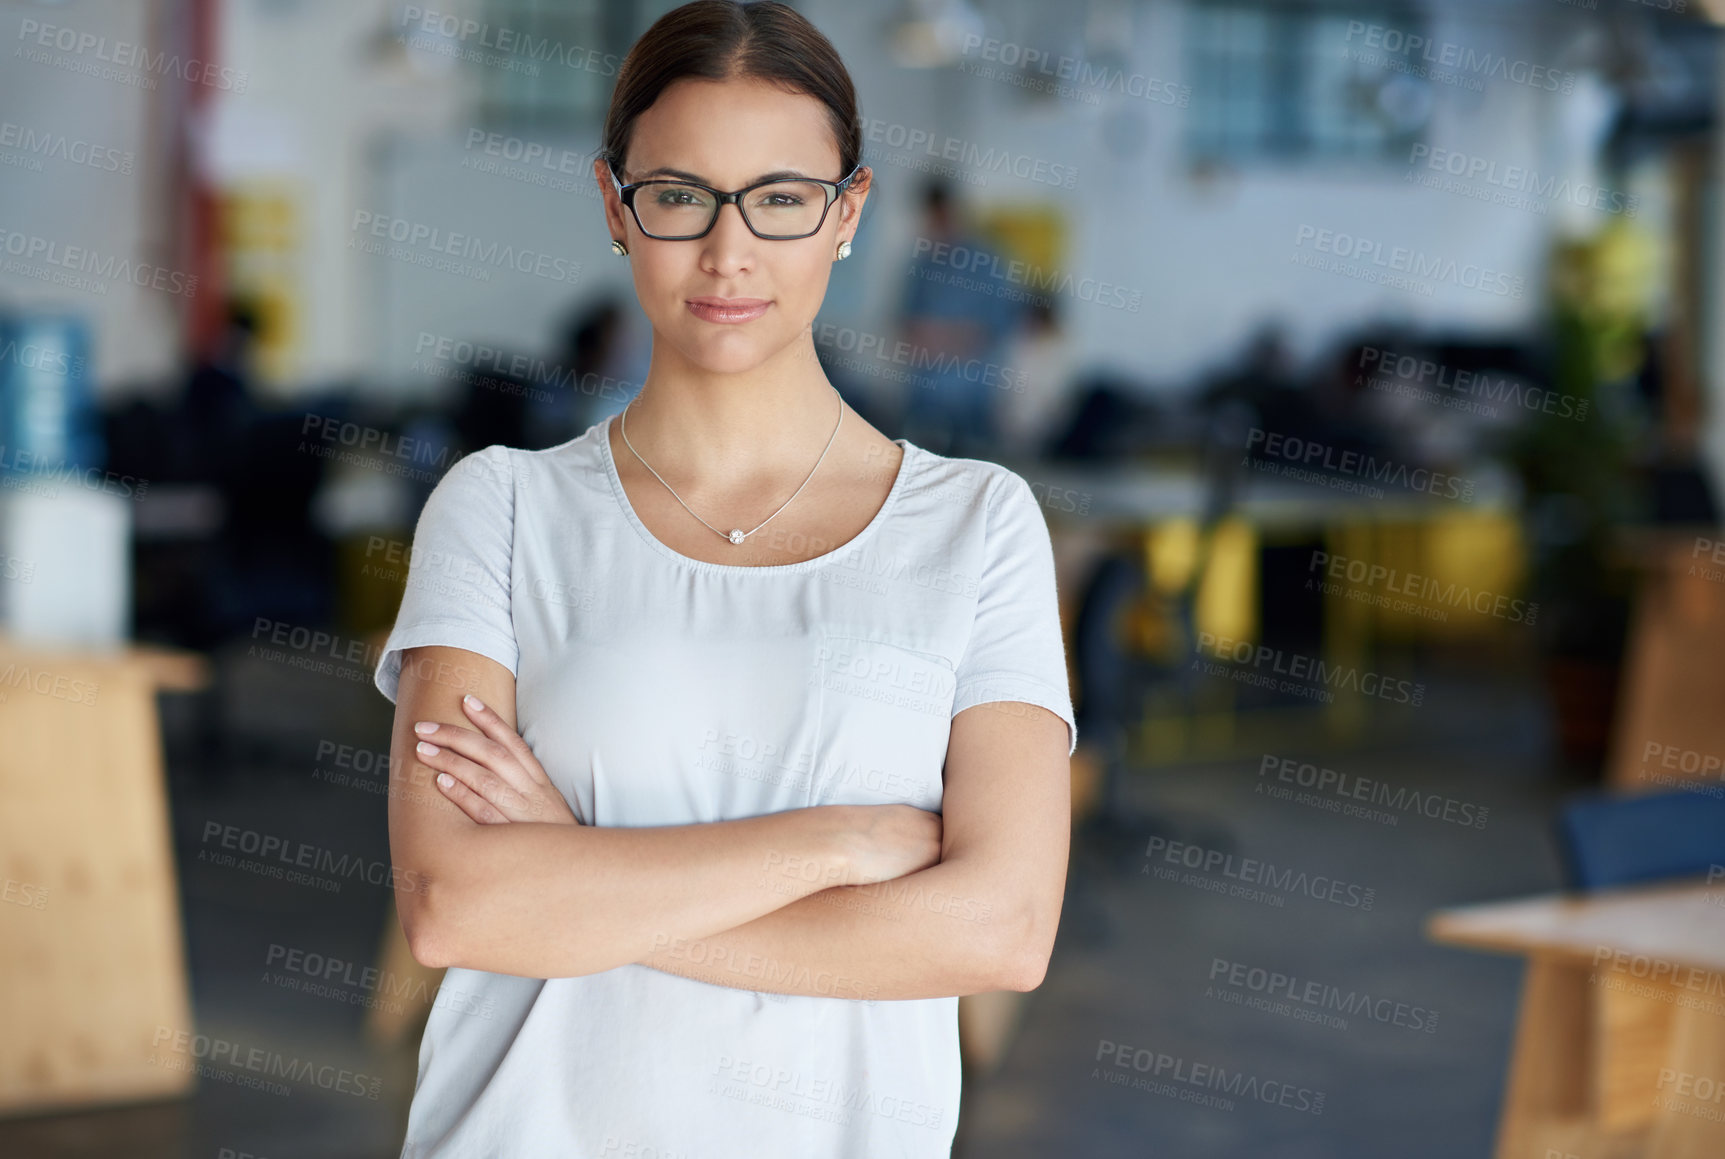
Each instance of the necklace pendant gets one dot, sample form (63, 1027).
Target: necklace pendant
(736, 535)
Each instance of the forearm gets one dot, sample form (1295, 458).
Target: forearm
(554, 901)
(932, 934)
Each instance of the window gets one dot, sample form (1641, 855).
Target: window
(1288, 83)
(549, 63)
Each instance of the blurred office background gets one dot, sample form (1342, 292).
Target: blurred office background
(1363, 355)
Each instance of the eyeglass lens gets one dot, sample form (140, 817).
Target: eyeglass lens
(784, 209)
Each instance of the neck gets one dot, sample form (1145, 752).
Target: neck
(730, 427)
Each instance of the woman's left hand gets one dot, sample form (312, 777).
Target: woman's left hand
(491, 775)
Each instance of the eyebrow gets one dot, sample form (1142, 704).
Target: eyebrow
(685, 175)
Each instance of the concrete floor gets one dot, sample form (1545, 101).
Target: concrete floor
(1132, 965)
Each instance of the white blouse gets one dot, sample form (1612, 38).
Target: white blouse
(657, 689)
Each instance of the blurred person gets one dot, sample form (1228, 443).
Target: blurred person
(956, 315)
(218, 406)
(493, 409)
(1039, 357)
(600, 357)
(647, 842)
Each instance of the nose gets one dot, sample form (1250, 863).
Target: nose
(729, 244)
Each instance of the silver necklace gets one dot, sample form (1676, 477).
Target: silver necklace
(736, 534)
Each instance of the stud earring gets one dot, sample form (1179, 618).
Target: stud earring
(619, 248)
(844, 250)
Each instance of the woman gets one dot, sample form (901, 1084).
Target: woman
(763, 764)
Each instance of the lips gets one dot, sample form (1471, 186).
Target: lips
(728, 309)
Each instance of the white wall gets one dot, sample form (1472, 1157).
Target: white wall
(350, 126)
(331, 90)
(113, 213)
(1213, 262)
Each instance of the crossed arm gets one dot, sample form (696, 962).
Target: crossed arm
(493, 873)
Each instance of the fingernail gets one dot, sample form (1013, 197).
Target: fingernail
(429, 750)
(445, 780)
(472, 701)
(425, 727)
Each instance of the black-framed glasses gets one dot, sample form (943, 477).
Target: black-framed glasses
(773, 210)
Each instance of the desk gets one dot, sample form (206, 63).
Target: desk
(92, 965)
(1668, 733)
(1375, 551)
(1620, 1039)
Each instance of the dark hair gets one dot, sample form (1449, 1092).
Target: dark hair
(722, 40)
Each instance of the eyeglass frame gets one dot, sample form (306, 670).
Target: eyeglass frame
(832, 189)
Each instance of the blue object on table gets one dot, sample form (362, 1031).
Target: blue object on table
(1610, 839)
(48, 415)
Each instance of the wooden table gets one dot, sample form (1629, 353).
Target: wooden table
(1620, 1040)
(92, 961)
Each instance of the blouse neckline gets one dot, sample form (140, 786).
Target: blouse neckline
(803, 565)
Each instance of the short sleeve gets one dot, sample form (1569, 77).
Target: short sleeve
(1016, 650)
(458, 577)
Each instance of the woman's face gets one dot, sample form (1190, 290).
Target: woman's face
(729, 134)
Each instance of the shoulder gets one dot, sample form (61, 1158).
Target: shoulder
(985, 489)
(489, 468)
(498, 469)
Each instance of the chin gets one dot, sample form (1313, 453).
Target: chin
(728, 358)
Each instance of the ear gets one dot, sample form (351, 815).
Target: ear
(615, 217)
(854, 197)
